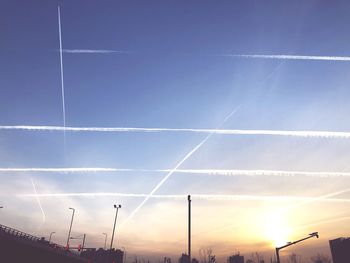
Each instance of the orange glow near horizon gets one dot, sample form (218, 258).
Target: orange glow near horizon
(276, 229)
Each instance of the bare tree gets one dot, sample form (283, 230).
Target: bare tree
(206, 255)
(320, 258)
(294, 258)
(256, 258)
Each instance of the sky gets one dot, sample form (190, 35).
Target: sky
(177, 65)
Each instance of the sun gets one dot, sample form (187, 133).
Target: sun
(276, 229)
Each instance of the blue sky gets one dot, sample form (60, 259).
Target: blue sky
(174, 70)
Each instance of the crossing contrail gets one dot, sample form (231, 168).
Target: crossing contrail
(36, 195)
(295, 57)
(61, 66)
(304, 134)
(188, 155)
(164, 179)
(210, 172)
(275, 198)
(95, 51)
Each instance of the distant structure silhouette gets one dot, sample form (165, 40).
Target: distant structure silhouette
(340, 249)
(103, 256)
(237, 258)
(186, 259)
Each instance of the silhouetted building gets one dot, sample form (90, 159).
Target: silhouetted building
(103, 256)
(340, 249)
(184, 258)
(237, 258)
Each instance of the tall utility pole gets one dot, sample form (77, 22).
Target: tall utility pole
(115, 221)
(315, 234)
(189, 227)
(70, 228)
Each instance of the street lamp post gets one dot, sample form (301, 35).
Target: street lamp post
(115, 221)
(51, 236)
(82, 248)
(105, 240)
(70, 228)
(315, 234)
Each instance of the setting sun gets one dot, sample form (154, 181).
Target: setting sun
(276, 229)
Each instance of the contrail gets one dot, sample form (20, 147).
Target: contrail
(95, 51)
(263, 173)
(275, 198)
(36, 195)
(323, 222)
(316, 199)
(305, 134)
(295, 57)
(210, 172)
(188, 155)
(73, 170)
(61, 66)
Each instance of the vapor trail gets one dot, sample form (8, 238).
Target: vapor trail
(61, 66)
(36, 195)
(94, 51)
(72, 170)
(188, 155)
(210, 172)
(295, 57)
(315, 199)
(218, 172)
(323, 222)
(165, 178)
(305, 134)
(275, 198)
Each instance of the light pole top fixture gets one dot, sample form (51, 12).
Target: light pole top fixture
(119, 206)
(314, 234)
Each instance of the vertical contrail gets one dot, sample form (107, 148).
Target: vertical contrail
(188, 155)
(61, 66)
(38, 201)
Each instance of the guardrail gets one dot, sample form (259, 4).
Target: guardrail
(17, 233)
(22, 235)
